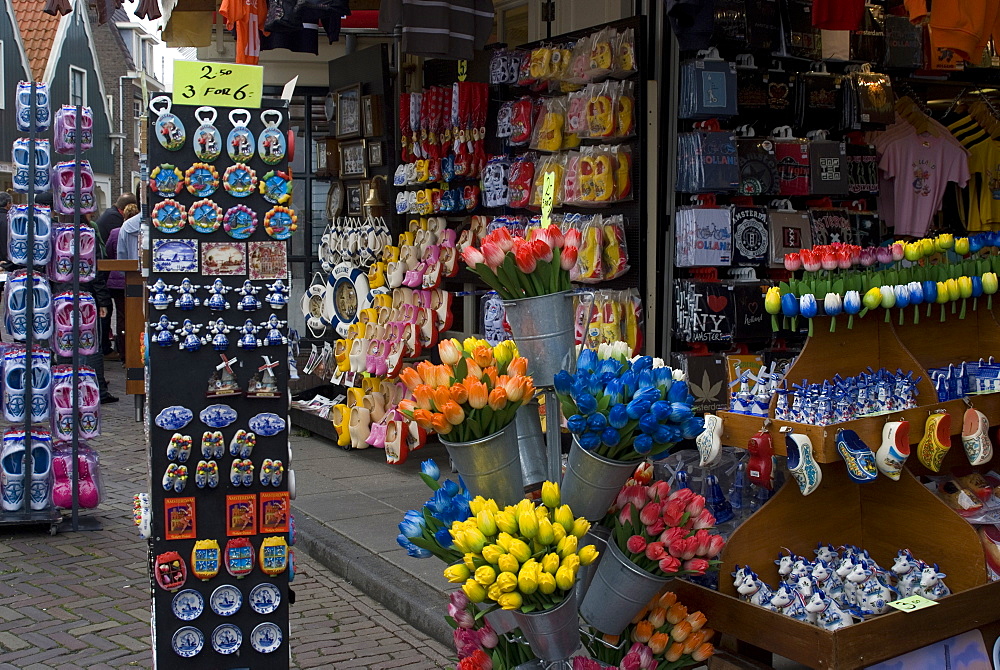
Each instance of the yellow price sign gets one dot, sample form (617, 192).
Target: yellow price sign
(548, 195)
(217, 84)
(463, 69)
(911, 604)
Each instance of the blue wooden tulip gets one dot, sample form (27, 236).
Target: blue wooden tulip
(590, 441)
(693, 427)
(615, 391)
(643, 444)
(431, 469)
(678, 392)
(587, 360)
(563, 381)
(636, 408)
(902, 295)
(977, 286)
(618, 416)
(642, 363)
(789, 305)
(647, 379)
(610, 437)
(650, 394)
(585, 402)
(680, 412)
(916, 292)
(648, 423)
(807, 306)
(597, 422)
(930, 291)
(661, 410)
(664, 378)
(663, 435)
(576, 424)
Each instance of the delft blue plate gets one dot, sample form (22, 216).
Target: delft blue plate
(187, 641)
(266, 637)
(217, 416)
(267, 424)
(174, 417)
(188, 605)
(265, 598)
(226, 639)
(226, 600)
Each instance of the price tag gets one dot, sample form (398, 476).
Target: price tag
(463, 69)
(912, 604)
(548, 192)
(217, 84)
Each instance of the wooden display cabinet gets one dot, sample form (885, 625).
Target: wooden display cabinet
(882, 516)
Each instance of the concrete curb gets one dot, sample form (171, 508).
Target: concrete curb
(417, 603)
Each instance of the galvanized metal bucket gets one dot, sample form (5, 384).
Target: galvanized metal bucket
(619, 590)
(552, 634)
(531, 444)
(490, 466)
(542, 327)
(502, 621)
(597, 536)
(592, 482)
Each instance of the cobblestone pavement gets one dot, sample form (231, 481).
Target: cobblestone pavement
(81, 600)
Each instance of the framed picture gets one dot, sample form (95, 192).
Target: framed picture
(371, 114)
(348, 111)
(375, 153)
(353, 162)
(353, 196)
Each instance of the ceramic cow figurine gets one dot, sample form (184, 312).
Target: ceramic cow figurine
(826, 578)
(805, 586)
(908, 571)
(931, 586)
(785, 562)
(801, 567)
(754, 591)
(845, 568)
(872, 594)
(790, 603)
(826, 552)
(738, 574)
(829, 616)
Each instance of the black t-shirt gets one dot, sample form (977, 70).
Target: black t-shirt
(108, 221)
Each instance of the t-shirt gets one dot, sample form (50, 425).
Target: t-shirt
(985, 160)
(248, 18)
(793, 167)
(837, 14)
(920, 167)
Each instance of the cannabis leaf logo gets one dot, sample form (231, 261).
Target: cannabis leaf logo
(706, 392)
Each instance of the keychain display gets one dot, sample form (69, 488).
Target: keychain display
(207, 140)
(168, 128)
(240, 140)
(201, 179)
(43, 114)
(64, 133)
(276, 187)
(166, 180)
(240, 222)
(17, 235)
(240, 180)
(204, 216)
(280, 222)
(271, 144)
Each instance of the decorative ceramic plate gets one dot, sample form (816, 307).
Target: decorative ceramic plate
(266, 637)
(226, 600)
(188, 641)
(266, 424)
(265, 598)
(226, 639)
(174, 417)
(218, 416)
(188, 605)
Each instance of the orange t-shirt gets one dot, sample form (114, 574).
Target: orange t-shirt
(960, 26)
(248, 17)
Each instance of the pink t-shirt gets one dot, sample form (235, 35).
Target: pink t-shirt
(920, 167)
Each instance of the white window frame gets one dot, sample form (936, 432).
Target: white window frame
(3, 84)
(73, 69)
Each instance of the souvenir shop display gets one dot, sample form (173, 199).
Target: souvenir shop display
(45, 466)
(220, 462)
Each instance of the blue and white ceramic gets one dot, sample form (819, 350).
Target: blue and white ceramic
(267, 424)
(187, 641)
(265, 598)
(226, 600)
(226, 639)
(174, 417)
(217, 416)
(266, 637)
(188, 605)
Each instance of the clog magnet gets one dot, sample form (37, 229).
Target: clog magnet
(166, 180)
(207, 140)
(281, 222)
(206, 559)
(168, 128)
(201, 179)
(205, 216)
(170, 571)
(276, 187)
(169, 216)
(271, 144)
(239, 180)
(240, 140)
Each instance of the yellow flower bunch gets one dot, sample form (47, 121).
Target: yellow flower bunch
(522, 557)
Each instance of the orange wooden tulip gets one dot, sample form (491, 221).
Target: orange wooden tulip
(450, 350)
(478, 395)
(518, 366)
(703, 652)
(514, 386)
(459, 393)
(668, 599)
(693, 641)
(423, 418)
(423, 395)
(426, 370)
(440, 424)
(410, 377)
(453, 413)
(483, 356)
(491, 372)
(658, 643)
(675, 651)
(697, 620)
(529, 391)
(406, 406)
(613, 640)
(498, 399)
(657, 617)
(473, 369)
(442, 396)
(680, 631)
(677, 613)
(642, 631)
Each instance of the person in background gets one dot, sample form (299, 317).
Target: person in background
(97, 288)
(116, 284)
(128, 239)
(114, 216)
